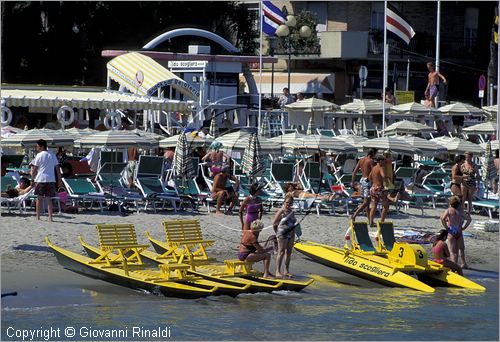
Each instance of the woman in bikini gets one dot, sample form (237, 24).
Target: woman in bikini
(216, 157)
(284, 226)
(469, 186)
(252, 204)
(441, 252)
(457, 177)
(250, 248)
(455, 220)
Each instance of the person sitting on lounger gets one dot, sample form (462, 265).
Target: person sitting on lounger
(222, 192)
(296, 190)
(442, 254)
(250, 248)
(24, 187)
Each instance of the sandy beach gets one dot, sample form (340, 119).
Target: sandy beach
(24, 248)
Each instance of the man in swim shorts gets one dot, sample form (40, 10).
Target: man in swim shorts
(377, 191)
(365, 164)
(432, 90)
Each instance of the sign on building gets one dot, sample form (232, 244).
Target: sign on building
(404, 96)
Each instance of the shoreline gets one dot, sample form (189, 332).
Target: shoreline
(24, 249)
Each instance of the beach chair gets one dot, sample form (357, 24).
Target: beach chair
(184, 239)
(7, 182)
(149, 166)
(489, 205)
(82, 190)
(118, 243)
(406, 174)
(361, 240)
(326, 132)
(19, 202)
(153, 191)
(385, 236)
(281, 173)
(110, 182)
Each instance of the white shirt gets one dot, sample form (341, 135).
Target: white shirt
(46, 163)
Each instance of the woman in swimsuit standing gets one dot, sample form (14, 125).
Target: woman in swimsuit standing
(250, 248)
(253, 206)
(469, 169)
(457, 177)
(441, 252)
(284, 226)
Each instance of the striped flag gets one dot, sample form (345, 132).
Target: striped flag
(397, 26)
(272, 17)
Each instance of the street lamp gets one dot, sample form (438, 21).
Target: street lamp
(284, 31)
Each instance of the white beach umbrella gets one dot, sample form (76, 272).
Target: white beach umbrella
(413, 108)
(410, 127)
(312, 105)
(115, 139)
(458, 146)
(311, 143)
(427, 147)
(287, 138)
(30, 137)
(393, 144)
(192, 141)
(366, 106)
(355, 140)
(487, 127)
(460, 108)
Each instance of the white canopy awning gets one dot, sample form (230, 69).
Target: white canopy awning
(306, 83)
(87, 99)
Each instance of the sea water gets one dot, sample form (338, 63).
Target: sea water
(327, 310)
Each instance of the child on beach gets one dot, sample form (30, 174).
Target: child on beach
(455, 220)
(441, 252)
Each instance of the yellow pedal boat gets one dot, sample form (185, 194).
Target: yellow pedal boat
(391, 263)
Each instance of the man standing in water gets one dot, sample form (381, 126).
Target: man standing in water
(377, 191)
(432, 90)
(365, 164)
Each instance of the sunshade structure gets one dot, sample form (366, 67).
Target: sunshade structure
(149, 135)
(460, 108)
(314, 143)
(408, 127)
(491, 112)
(143, 75)
(192, 141)
(413, 109)
(29, 138)
(115, 139)
(238, 141)
(395, 145)
(265, 130)
(428, 148)
(488, 169)
(458, 146)
(316, 108)
(487, 127)
(366, 106)
(183, 164)
(355, 140)
(88, 100)
(77, 133)
(253, 160)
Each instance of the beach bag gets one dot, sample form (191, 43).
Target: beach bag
(63, 195)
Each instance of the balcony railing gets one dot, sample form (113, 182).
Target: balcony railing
(424, 44)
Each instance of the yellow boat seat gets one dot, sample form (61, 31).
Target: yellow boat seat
(360, 238)
(187, 234)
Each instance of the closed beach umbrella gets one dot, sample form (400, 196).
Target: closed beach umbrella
(489, 171)
(115, 139)
(253, 162)
(30, 137)
(458, 146)
(427, 147)
(460, 108)
(394, 144)
(183, 164)
(214, 130)
(192, 141)
(311, 127)
(265, 130)
(409, 127)
(487, 127)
